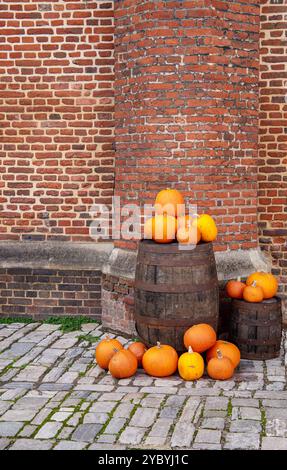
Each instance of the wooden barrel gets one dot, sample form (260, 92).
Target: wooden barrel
(174, 289)
(256, 328)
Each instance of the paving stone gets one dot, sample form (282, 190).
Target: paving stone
(274, 443)
(53, 375)
(4, 443)
(161, 428)
(31, 444)
(41, 416)
(107, 438)
(70, 445)
(213, 423)
(18, 415)
(61, 416)
(244, 425)
(155, 441)
(30, 374)
(49, 430)
(10, 429)
(86, 432)
(65, 432)
(115, 425)
(216, 403)
(102, 407)
(27, 431)
(97, 418)
(247, 440)
(144, 417)
(208, 436)
(106, 447)
(205, 446)
(65, 343)
(132, 435)
(123, 410)
(17, 350)
(68, 377)
(182, 435)
(153, 401)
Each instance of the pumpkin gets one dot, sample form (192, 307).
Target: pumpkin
(188, 235)
(164, 228)
(191, 365)
(220, 367)
(148, 228)
(123, 364)
(184, 221)
(200, 337)
(105, 350)
(266, 281)
(160, 360)
(138, 349)
(170, 202)
(207, 227)
(234, 289)
(253, 293)
(227, 349)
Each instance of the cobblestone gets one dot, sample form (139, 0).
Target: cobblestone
(55, 396)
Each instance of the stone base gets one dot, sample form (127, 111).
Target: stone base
(51, 279)
(119, 275)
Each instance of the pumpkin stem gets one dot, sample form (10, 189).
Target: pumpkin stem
(158, 344)
(219, 354)
(190, 350)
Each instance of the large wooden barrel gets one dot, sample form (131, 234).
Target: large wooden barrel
(256, 328)
(174, 289)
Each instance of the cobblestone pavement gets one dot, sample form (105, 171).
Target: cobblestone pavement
(53, 395)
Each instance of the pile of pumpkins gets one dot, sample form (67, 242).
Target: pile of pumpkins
(162, 360)
(259, 286)
(170, 222)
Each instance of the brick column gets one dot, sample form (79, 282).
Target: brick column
(273, 138)
(187, 117)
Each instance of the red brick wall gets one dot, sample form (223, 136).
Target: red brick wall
(56, 116)
(273, 136)
(187, 107)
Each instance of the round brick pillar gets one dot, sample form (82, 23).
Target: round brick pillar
(187, 117)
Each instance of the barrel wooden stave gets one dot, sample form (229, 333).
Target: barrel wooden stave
(256, 328)
(174, 289)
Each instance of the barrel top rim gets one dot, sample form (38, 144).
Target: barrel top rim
(271, 301)
(173, 247)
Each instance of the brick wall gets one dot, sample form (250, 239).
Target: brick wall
(41, 293)
(187, 108)
(272, 201)
(56, 116)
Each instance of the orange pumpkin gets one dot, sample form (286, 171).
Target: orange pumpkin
(253, 293)
(170, 202)
(123, 364)
(227, 349)
(188, 235)
(105, 350)
(148, 228)
(220, 367)
(200, 337)
(266, 281)
(138, 349)
(160, 360)
(185, 221)
(207, 227)
(234, 289)
(191, 365)
(164, 228)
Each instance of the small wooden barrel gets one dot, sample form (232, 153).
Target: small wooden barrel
(174, 289)
(256, 328)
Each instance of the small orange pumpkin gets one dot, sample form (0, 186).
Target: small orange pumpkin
(188, 235)
(234, 289)
(170, 202)
(220, 367)
(191, 365)
(138, 349)
(105, 350)
(123, 364)
(185, 221)
(253, 293)
(160, 360)
(227, 349)
(164, 228)
(200, 337)
(266, 281)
